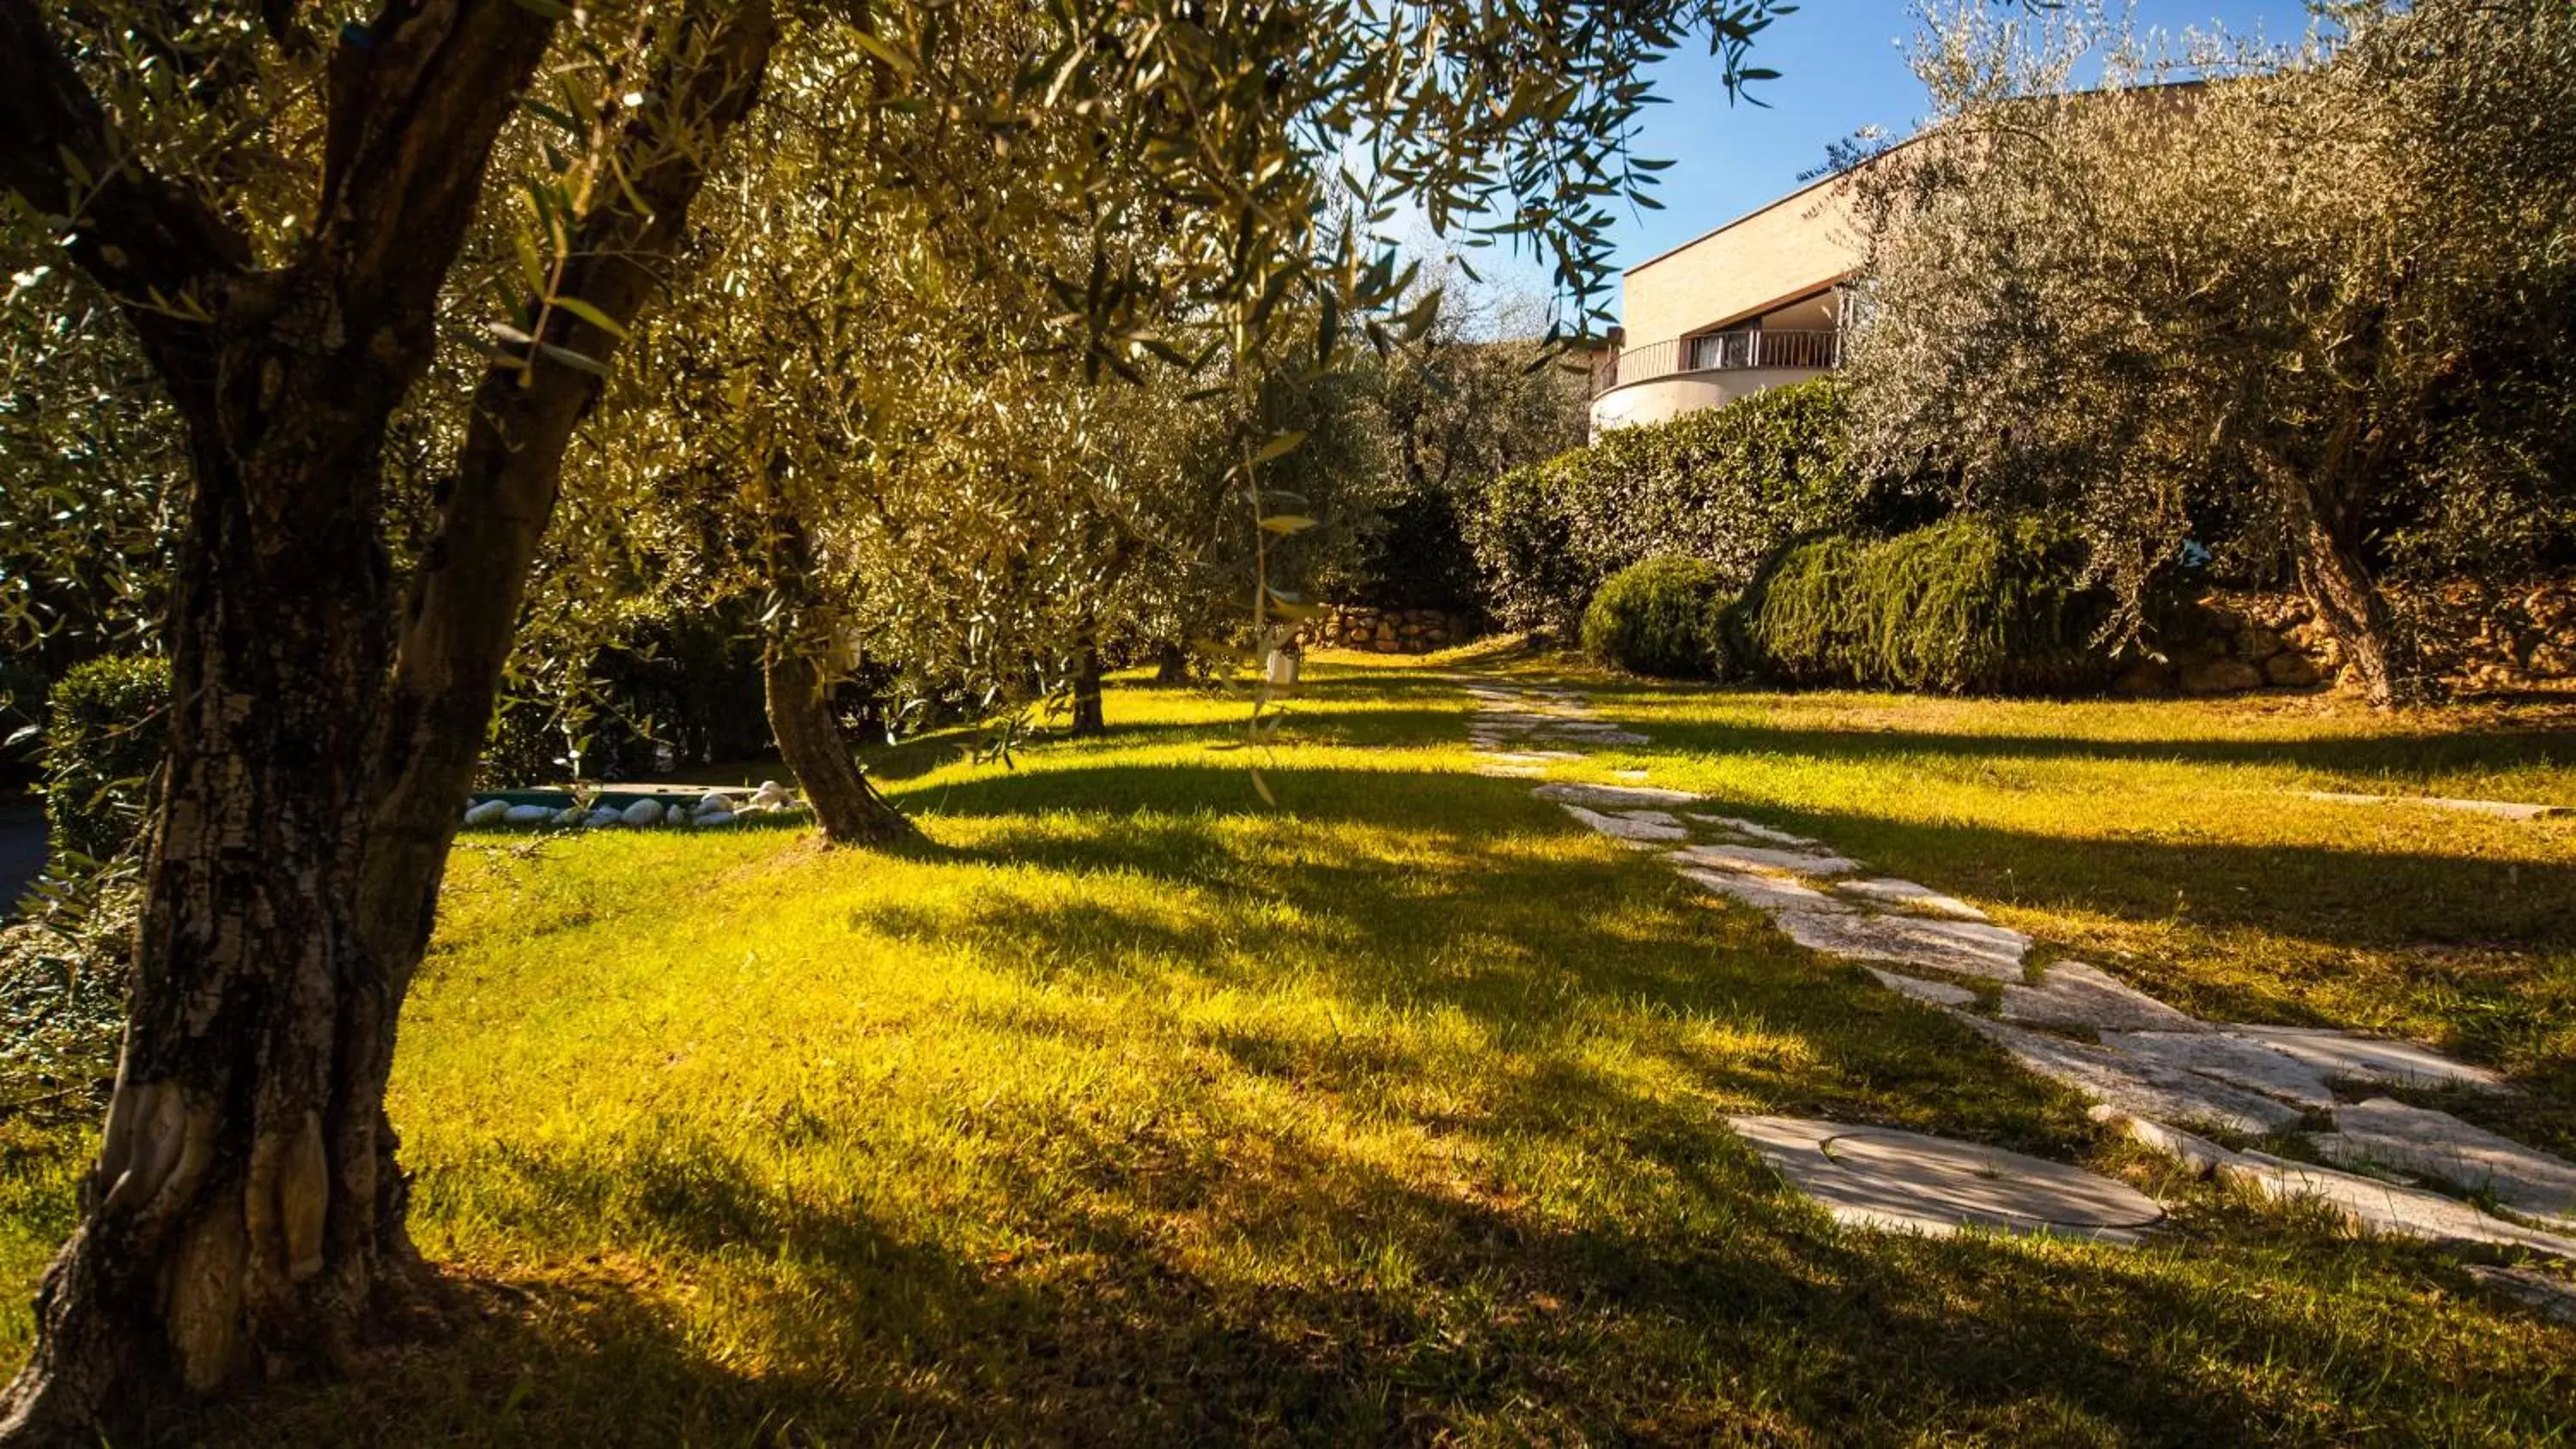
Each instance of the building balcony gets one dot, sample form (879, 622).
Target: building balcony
(1813, 349)
(1663, 380)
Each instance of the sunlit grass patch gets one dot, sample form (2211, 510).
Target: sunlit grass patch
(1131, 1108)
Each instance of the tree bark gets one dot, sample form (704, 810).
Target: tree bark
(1171, 664)
(245, 1207)
(2355, 611)
(798, 688)
(1089, 718)
(846, 806)
(2332, 571)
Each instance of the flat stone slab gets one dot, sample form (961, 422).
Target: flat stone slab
(1888, 890)
(1513, 772)
(1879, 1177)
(2138, 1087)
(1762, 892)
(1752, 830)
(1612, 797)
(1624, 828)
(2198, 1155)
(1939, 993)
(1764, 857)
(2544, 1295)
(2503, 809)
(2233, 1060)
(2346, 1056)
(2389, 1133)
(1960, 947)
(2071, 993)
(2387, 1208)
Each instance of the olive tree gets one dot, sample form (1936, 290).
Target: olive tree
(245, 1205)
(278, 209)
(2310, 307)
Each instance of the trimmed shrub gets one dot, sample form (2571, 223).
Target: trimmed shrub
(1965, 606)
(1661, 617)
(1724, 485)
(102, 748)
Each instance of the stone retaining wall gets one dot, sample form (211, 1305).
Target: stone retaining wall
(1385, 631)
(2480, 638)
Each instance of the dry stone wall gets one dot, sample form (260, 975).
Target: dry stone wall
(2480, 638)
(1385, 631)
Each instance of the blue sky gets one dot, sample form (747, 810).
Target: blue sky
(1842, 66)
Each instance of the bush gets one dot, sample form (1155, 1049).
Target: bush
(1661, 617)
(1965, 606)
(1723, 485)
(63, 974)
(660, 690)
(102, 748)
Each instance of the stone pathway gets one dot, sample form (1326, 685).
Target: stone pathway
(2155, 1071)
(1523, 728)
(1878, 1177)
(1867, 1176)
(2502, 809)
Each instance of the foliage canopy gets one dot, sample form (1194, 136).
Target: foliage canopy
(2313, 308)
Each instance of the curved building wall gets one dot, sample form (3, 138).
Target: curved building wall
(1660, 399)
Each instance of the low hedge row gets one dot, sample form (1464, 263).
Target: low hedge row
(1965, 606)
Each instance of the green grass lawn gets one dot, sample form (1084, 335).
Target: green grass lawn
(1130, 1109)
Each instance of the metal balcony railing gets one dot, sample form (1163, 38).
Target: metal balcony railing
(1722, 352)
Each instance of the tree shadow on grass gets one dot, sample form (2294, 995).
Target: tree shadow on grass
(2327, 897)
(1361, 729)
(1714, 1307)
(2470, 941)
(1535, 1228)
(2400, 755)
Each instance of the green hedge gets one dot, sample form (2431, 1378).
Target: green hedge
(1663, 617)
(1723, 485)
(1967, 605)
(102, 746)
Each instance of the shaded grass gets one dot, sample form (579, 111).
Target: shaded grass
(1131, 1110)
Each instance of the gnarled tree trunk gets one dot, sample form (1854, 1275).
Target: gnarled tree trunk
(798, 692)
(234, 1220)
(2356, 612)
(1171, 664)
(2329, 499)
(846, 806)
(245, 1208)
(1089, 717)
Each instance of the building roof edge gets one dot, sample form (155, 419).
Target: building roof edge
(1822, 181)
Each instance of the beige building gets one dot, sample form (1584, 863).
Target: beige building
(1756, 303)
